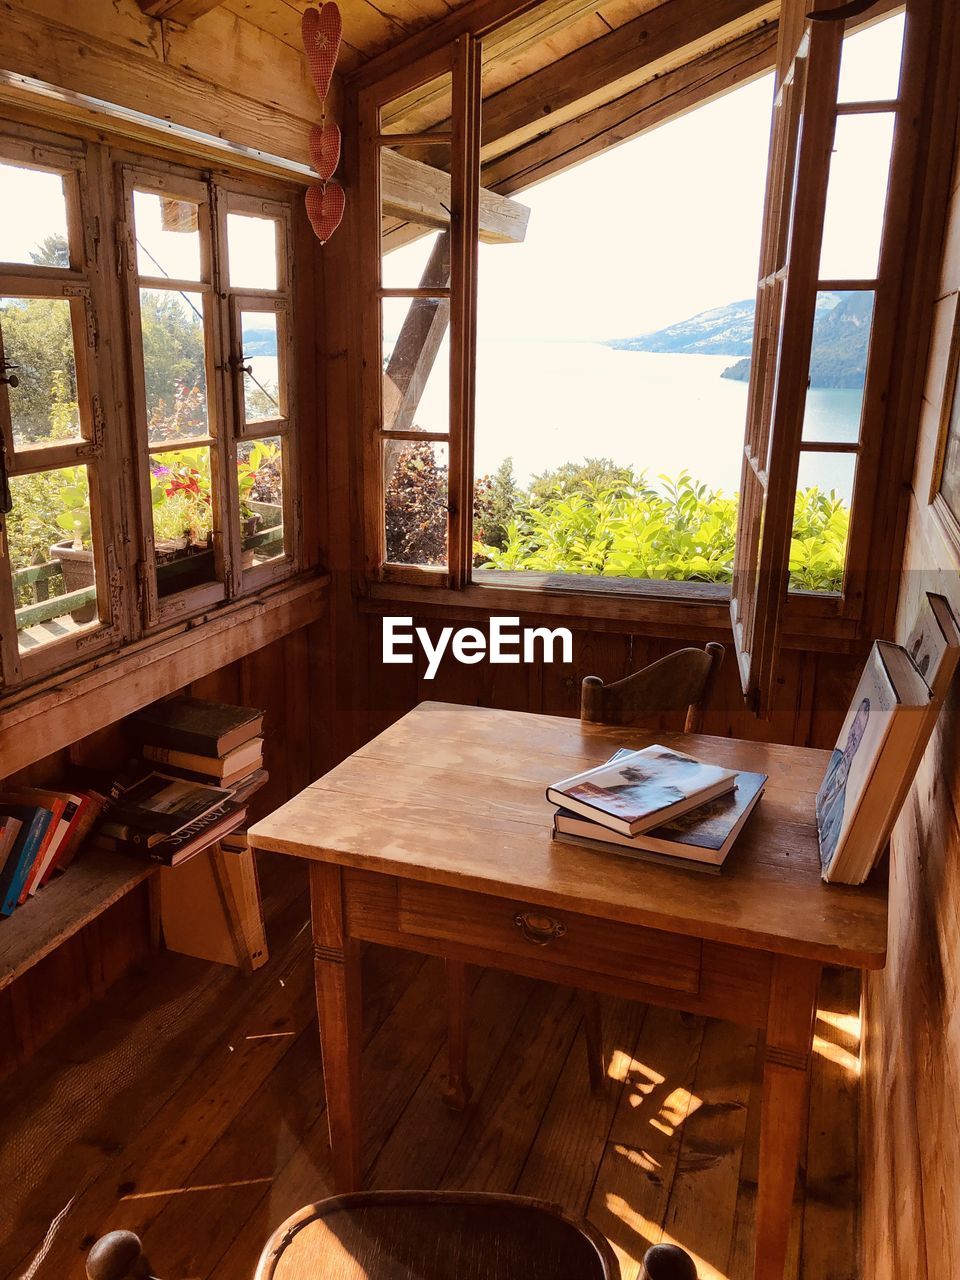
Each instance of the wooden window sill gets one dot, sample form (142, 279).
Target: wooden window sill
(695, 611)
(45, 717)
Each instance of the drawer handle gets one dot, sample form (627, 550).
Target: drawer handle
(537, 928)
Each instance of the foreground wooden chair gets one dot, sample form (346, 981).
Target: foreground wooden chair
(422, 1235)
(681, 681)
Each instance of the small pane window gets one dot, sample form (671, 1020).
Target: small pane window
(870, 62)
(415, 485)
(252, 246)
(38, 347)
(262, 399)
(168, 236)
(182, 501)
(33, 217)
(856, 197)
(174, 363)
(260, 486)
(821, 522)
(416, 364)
(51, 556)
(838, 366)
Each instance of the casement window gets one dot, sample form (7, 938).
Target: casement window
(840, 143)
(147, 400)
(208, 295)
(60, 590)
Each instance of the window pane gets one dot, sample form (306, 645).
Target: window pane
(51, 555)
(870, 62)
(821, 520)
(415, 498)
(415, 217)
(33, 217)
(856, 197)
(252, 245)
(260, 483)
(37, 337)
(262, 399)
(173, 364)
(182, 519)
(838, 366)
(168, 236)
(416, 364)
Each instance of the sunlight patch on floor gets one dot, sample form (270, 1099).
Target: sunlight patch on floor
(210, 1186)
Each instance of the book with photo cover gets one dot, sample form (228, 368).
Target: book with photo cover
(872, 765)
(934, 645)
(163, 804)
(642, 789)
(704, 835)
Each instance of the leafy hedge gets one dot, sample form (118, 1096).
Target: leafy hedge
(601, 519)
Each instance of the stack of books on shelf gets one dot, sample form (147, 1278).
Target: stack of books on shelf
(41, 832)
(202, 761)
(657, 805)
(884, 736)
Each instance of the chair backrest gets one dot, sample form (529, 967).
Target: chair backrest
(680, 681)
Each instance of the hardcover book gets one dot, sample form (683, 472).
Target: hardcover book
(236, 763)
(702, 835)
(872, 764)
(35, 826)
(641, 790)
(934, 645)
(195, 725)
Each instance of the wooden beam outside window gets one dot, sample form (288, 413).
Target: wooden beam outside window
(418, 193)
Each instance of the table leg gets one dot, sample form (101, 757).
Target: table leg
(337, 976)
(458, 1090)
(790, 1019)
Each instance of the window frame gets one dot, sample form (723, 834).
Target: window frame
(80, 286)
(840, 618)
(112, 412)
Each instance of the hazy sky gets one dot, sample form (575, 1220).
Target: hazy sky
(668, 224)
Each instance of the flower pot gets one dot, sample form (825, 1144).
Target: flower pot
(180, 568)
(76, 565)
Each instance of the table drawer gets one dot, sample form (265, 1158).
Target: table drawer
(665, 960)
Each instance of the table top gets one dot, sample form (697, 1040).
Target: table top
(454, 795)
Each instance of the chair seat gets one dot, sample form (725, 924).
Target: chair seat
(435, 1236)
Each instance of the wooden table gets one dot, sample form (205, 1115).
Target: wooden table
(436, 837)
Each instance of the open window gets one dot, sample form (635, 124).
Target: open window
(59, 588)
(828, 274)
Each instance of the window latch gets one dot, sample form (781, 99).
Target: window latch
(8, 376)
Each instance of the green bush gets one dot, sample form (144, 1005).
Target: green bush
(617, 525)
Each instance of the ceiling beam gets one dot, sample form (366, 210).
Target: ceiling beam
(418, 194)
(182, 11)
(668, 96)
(672, 34)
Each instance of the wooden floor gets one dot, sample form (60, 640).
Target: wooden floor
(189, 1106)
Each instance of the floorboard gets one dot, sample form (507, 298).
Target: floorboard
(188, 1105)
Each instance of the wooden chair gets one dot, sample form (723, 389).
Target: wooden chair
(422, 1235)
(681, 681)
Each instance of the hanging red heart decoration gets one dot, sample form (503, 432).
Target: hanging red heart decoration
(322, 31)
(325, 149)
(325, 207)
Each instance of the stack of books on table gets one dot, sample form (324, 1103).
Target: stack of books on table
(657, 805)
(202, 762)
(41, 832)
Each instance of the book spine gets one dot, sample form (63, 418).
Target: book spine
(209, 766)
(30, 846)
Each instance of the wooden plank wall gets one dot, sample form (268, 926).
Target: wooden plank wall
(911, 1073)
(286, 679)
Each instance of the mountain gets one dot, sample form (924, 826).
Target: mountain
(841, 336)
(259, 342)
(724, 331)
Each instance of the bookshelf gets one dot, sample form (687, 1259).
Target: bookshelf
(88, 887)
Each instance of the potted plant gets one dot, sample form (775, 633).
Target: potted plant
(258, 480)
(182, 520)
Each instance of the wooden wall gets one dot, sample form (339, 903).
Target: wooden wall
(911, 1072)
(285, 679)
